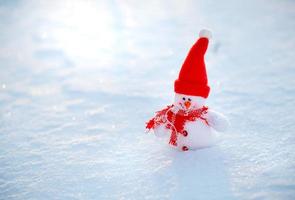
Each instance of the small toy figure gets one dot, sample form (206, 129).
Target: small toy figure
(188, 123)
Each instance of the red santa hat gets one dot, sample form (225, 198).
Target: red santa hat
(192, 78)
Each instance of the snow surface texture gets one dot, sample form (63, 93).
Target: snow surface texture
(79, 80)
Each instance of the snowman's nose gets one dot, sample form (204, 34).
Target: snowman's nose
(187, 104)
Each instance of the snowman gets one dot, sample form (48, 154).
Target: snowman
(188, 123)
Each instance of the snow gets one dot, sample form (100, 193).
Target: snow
(79, 79)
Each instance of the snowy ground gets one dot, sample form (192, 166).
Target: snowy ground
(79, 79)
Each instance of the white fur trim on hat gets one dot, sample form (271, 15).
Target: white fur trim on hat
(205, 33)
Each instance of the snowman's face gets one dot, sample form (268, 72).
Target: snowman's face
(187, 102)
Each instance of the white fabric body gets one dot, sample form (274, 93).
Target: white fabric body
(200, 135)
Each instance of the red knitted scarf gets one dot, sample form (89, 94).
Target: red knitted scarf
(176, 121)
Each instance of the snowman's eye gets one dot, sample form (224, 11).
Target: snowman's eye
(189, 99)
(183, 98)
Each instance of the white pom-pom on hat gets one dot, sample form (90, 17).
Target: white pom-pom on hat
(205, 33)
